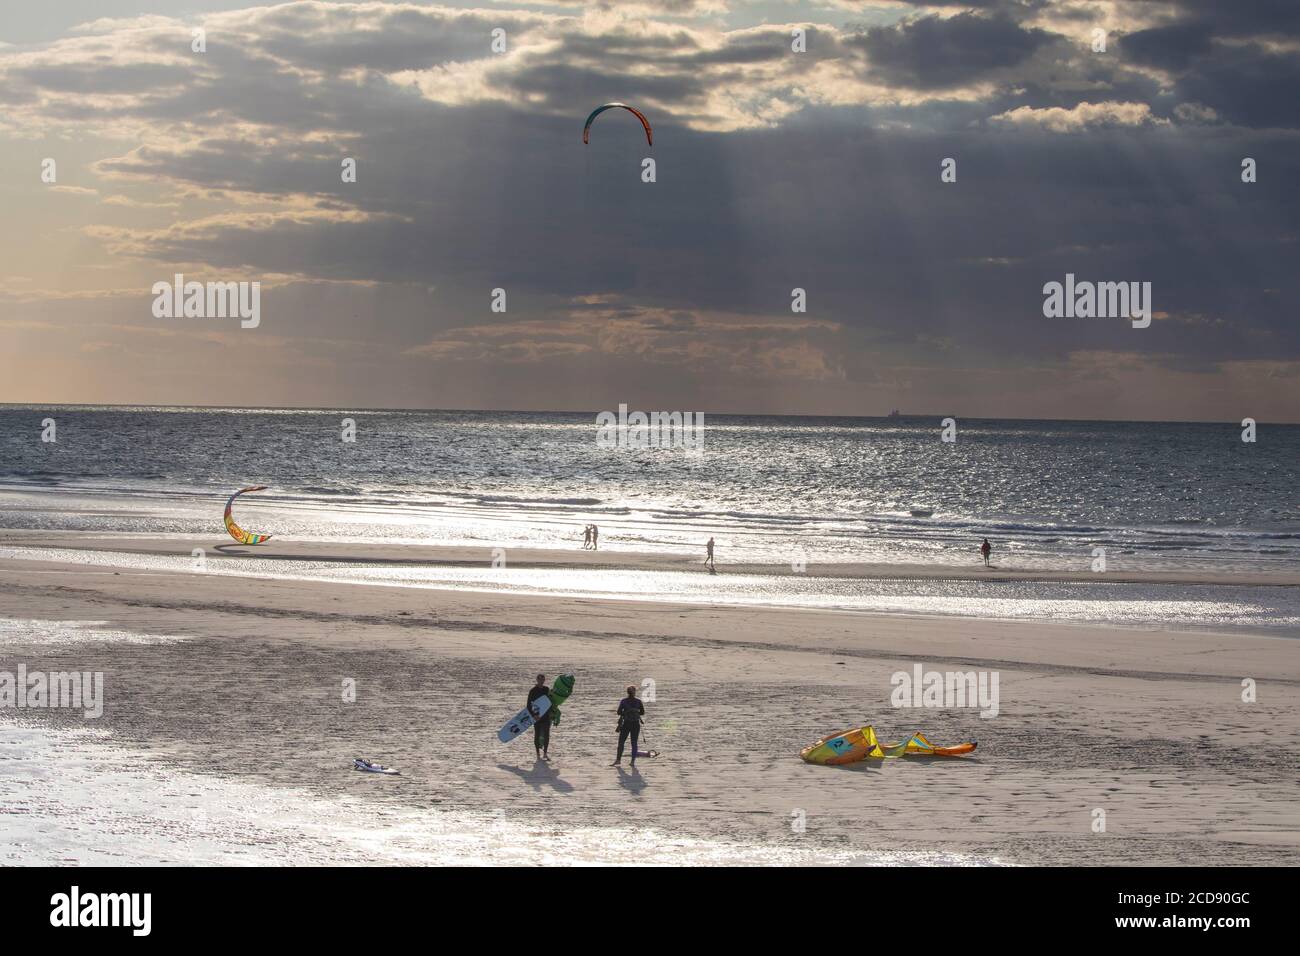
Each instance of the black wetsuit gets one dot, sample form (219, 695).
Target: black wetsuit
(542, 728)
(630, 712)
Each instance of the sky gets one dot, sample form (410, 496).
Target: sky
(774, 169)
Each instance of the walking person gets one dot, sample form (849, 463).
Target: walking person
(542, 728)
(586, 537)
(708, 560)
(630, 714)
(595, 538)
(986, 549)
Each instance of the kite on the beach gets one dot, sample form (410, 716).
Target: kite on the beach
(847, 746)
(850, 746)
(649, 133)
(238, 533)
(918, 746)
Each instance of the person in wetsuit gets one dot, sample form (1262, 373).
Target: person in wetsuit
(630, 714)
(542, 728)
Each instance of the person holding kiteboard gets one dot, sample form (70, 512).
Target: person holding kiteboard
(630, 714)
(542, 728)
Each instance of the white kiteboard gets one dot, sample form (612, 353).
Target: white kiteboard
(521, 721)
(362, 764)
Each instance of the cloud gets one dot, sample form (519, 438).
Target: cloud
(127, 201)
(930, 52)
(1084, 115)
(737, 344)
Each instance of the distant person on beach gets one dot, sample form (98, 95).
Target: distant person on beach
(986, 549)
(708, 561)
(541, 729)
(586, 537)
(595, 538)
(630, 713)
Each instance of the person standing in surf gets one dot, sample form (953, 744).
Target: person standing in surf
(630, 714)
(986, 549)
(542, 728)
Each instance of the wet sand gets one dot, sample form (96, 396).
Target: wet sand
(1003, 569)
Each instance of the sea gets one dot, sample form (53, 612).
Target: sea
(796, 493)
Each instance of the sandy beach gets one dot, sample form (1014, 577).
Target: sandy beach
(1147, 726)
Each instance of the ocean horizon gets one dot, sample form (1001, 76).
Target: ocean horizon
(290, 409)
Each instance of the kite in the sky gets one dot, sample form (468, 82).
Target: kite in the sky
(649, 133)
(238, 533)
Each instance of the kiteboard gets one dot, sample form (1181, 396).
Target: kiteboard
(521, 721)
(360, 763)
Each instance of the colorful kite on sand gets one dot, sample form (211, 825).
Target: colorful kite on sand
(850, 746)
(238, 533)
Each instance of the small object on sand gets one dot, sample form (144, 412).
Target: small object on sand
(360, 763)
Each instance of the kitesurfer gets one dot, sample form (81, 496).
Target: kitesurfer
(986, 549)
(630, 713)
(542, 728)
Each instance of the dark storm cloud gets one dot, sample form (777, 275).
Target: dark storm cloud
(1246, 87)
(382, 40)
(1170, 48)
(1224, 56)
(933, 52)
(1256, 18)
(1245, 83)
